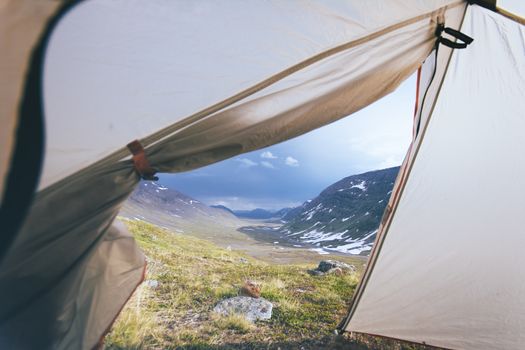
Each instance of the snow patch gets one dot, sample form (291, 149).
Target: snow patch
(319, 251)
(360, 186)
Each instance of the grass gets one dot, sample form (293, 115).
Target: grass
(194, 274)
(235, 323)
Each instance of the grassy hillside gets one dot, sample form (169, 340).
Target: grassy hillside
(194, 274)
(219, 230)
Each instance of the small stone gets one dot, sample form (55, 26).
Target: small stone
(152, 283)
(251, 289)
(243, 261)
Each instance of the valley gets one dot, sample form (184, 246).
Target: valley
(178, 213)
(341, 221)
(199, 256)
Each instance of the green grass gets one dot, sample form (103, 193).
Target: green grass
(194, 275)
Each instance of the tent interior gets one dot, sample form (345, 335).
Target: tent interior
(98, 95)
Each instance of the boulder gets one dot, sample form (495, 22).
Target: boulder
(250, 308)
(332, 266)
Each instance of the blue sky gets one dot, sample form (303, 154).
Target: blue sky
(291, 172)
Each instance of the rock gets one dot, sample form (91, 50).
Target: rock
(327, 265)
(332, 266)
(152, 283)
(336, 271)
(315, 272)
(243, 261)
(251, 289)
(250, 308)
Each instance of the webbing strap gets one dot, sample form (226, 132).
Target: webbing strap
(465, 40)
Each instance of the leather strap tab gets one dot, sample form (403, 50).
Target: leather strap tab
(141, 162)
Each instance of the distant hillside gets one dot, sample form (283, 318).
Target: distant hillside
(256, 214)
(346, 215)
(167, 207)
(259, 214)
(343, 218)
(222, 207)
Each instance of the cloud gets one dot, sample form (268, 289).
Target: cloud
(267, 164)
(268, 155)
(246, 163)
(290, 161)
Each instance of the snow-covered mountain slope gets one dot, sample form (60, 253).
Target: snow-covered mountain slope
(346, 215)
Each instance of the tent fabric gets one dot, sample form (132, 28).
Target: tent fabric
(432, 75)
(68, 222)
(304, 101)
(21, 132)
(125, 71)
(112, 273)
(201, 82)
(449, 272)
(64, 260)
(21, 24)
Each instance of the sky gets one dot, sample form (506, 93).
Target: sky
(287, 174)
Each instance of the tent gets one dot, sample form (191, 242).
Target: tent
(96, 95)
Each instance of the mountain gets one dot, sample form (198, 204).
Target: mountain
(346, 215)
(167, 207)
(343, 218)
(281, 213)
(261, 213)
(222, 207)
(258, 214)
(254, 214)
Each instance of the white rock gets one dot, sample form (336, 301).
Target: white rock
(250, 308)
(152, 283)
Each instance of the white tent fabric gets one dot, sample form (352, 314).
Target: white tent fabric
(118, 71)
(450, 269)
(376, 47)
